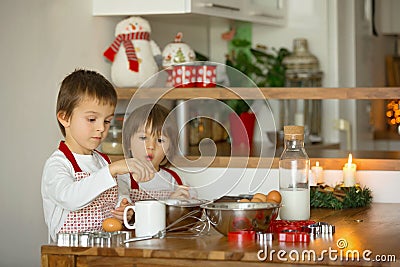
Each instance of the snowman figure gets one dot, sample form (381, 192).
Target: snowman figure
(132, 53)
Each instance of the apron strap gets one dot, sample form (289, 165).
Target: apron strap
(64, 149)
(174, 174)
(67, 152)
(104, 156)
(135, 185)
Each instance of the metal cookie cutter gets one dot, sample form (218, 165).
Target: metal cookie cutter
(319, 228)
(294, 235)
(74, 239)
(263, 238)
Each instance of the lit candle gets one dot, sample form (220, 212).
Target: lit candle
(317, 174)
(349, 173)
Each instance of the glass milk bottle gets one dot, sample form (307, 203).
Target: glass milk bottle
(294, 166)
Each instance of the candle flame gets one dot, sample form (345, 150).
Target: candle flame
(317, 163)
(350, 159)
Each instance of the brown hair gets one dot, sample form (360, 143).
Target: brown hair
(82, 84)
(157, 118)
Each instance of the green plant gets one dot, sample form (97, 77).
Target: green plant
(200, 56)
(269, 70)
(263, 67)
(324, 196)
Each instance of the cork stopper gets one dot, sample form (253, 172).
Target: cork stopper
(293, 132)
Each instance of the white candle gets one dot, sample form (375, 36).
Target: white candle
(317, 174)
(349, 173)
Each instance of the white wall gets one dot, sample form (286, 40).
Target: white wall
(316, 21)
(41, 42)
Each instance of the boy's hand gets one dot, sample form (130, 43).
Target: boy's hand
(118, 213)
(141, 171)
(181, 192)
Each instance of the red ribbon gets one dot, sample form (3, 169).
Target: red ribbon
(126, 40)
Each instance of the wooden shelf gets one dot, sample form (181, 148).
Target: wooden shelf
(371, 161)
(331, 159)
(262, 93)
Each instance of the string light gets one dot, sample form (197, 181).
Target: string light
(393, 112)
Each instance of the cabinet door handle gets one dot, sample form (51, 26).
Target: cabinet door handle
(265, 15)
(213, 5)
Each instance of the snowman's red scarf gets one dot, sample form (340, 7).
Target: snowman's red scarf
(129, 48)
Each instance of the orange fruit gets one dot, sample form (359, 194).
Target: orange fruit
(274, 196)
(244, 200)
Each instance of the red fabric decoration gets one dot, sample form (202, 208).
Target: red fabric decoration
(126, 39)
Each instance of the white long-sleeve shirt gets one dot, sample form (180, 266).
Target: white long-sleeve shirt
(62, 194)
(162, 181)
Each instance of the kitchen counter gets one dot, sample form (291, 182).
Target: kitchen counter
(370, 231)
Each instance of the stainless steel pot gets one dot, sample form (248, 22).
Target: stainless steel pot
(228, 217)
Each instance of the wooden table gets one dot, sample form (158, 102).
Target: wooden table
(375, 229)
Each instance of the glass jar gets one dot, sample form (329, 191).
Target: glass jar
(200, 128)
(302, 70)
(112, 144)
(294, 166)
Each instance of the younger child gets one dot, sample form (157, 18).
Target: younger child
(79, 188)
(150, 135)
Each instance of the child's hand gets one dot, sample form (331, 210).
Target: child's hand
(141, 171)
(181, 192)
(118, 213)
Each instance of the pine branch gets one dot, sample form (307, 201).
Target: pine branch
(340, 197)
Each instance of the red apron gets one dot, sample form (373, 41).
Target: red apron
(91, 217)
(137, 194)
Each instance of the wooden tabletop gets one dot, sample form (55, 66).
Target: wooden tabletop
(371, 231)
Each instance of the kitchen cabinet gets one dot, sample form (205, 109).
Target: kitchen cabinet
(271, 12)
(330, 159)
(390, 19)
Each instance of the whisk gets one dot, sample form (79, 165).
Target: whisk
(198, 228)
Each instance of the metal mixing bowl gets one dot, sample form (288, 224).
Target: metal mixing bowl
(237, 216)
(178, 208)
